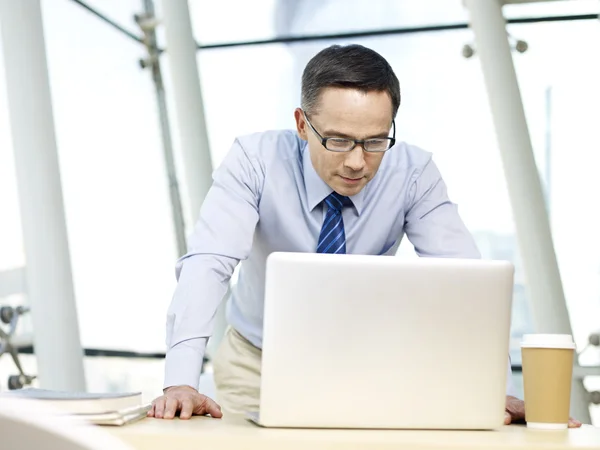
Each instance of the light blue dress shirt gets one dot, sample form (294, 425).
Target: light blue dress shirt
(267, 197)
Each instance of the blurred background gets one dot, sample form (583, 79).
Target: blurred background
(250, 57)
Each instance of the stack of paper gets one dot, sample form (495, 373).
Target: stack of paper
(100, 409)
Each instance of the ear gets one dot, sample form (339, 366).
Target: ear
(300, 123)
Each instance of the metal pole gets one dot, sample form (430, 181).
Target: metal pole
(531, 218)
(49, 279)
(147, 23)
(189, 106)
(548, 158)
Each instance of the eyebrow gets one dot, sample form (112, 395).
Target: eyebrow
(334, 133)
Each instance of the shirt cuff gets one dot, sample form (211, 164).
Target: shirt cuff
(510, 385)
(183, 363)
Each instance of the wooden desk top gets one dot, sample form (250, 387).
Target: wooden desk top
(236, 433)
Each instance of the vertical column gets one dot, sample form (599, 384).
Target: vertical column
(189, 105)
(49, 279)
(526, 195)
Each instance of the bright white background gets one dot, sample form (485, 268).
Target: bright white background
(113, 175)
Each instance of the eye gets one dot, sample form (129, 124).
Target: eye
(377, 144)
(338, 143)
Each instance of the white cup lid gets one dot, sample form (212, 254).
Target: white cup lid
(547, 341)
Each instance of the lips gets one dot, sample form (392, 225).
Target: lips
(351, 180)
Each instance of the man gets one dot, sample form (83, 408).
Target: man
(339, 184)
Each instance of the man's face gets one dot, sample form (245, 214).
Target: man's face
(346, 113)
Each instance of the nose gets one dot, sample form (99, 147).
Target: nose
(355, 159)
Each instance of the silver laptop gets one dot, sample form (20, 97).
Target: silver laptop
(354, 341)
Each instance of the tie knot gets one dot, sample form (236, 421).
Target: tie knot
(337, 201)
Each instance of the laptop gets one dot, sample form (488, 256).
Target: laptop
(380, 342)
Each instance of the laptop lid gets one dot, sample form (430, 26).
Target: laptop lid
(353, 341)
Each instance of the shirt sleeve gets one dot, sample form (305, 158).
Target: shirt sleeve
(510, 385)
(222, 237)
(435, 228)
(432, 222)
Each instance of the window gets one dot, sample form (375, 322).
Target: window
(115, 188)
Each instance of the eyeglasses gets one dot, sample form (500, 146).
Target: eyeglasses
(340, 144)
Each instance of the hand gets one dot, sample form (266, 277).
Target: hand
(183, 399)
(515, 412)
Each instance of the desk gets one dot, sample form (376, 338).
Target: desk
(235, 433)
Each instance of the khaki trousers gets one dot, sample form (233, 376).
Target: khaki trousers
(236, 371)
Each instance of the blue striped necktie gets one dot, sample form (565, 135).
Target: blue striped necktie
(332, 238)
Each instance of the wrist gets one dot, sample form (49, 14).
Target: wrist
(181, 386)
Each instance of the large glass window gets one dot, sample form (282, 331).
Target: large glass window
(226, 21)
(115, 189)
(114, 182)
(445, 111)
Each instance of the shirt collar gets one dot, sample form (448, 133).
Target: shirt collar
(316, 189)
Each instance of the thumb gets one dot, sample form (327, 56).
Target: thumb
(213, 409)
(209, 406)
(507, 418)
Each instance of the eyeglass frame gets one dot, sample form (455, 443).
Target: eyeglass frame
(361, 142)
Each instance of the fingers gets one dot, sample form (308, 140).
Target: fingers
(186, 401)
(515, 409)
(209, 406)
(159, 407)
(187, 408)
(574, 423)
(171, 406)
